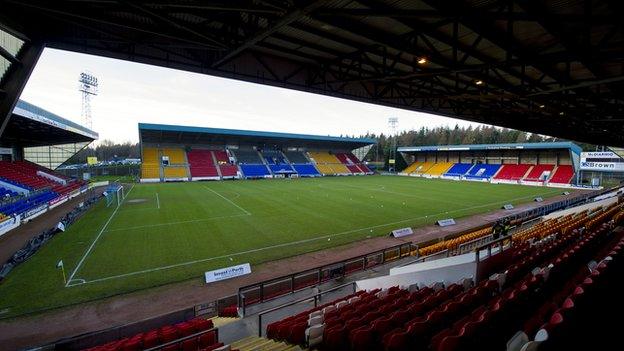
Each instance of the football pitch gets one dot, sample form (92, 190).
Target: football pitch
(162, 233)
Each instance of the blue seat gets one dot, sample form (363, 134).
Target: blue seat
(458, 169)
(254, 170)
(281, 169)
(482, 171)
(306, 170)
(26, 203)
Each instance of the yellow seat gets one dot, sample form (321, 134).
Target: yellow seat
(150, 167)
(328, 164)
(175, 172)
(176, 156)
(411, 168)
(150, 171)
(439, 168)
(423, 168)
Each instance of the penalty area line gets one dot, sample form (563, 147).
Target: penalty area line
(228, 200)
(71, 277)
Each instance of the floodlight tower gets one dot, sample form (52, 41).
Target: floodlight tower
(88, 86)
(393, 123)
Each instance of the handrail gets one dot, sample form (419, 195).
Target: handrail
(498, 242)
(315, 297)
(176, 341)
(341, 265)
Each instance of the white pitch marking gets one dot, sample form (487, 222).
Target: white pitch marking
(291, 243)
(96, 239)
(157, 201)
(228, 200)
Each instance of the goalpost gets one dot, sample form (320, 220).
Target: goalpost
(114, 194)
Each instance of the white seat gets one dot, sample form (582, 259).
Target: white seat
(592, 265)
(328, 309)
(530, 346)
(223, 348)
(315, 314)
(467, 283)
(517, 341)
(314, 335)
(541, 335)
(500, 278)
(341, 304)
(354, 299)
(315, 320)
(437, 286)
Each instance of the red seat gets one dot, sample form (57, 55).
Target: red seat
(362, 339)
(397, 341)
(189, 344)
(334, 338)
(207, 339)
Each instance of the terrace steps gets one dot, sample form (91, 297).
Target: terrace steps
(255, 343)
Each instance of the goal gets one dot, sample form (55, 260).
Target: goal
(114, 194)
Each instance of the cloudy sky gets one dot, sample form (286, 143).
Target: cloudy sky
(131, 93)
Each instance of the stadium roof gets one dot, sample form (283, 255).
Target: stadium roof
(163, 133)
(516, 146)
(33, 126)
(552, 67)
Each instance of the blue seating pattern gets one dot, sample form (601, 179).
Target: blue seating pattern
(254, 170)
(4, 192)
(12, 182)
(458, 169)
(482, 171)
(274, 157)
(281, 168)
(306, 170)
(24, 204)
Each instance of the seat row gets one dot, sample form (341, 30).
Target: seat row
(168, 334)
(561, 174)
(455, 243)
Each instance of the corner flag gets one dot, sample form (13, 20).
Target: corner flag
(62, 267)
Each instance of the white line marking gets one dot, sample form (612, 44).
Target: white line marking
(295, 242)
(228, 200)
(96, 239)
(157, 201)
(174, 223)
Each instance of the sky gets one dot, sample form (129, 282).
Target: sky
(130, 93)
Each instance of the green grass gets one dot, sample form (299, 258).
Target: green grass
(113, 178)
(170, 232)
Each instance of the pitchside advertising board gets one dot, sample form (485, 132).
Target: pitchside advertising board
(227, 273)
(605, 161)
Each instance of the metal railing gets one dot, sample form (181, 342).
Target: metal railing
(503, 244)
(291, 283)
(316, 297)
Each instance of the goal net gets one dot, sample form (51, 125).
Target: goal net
(114, 194)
